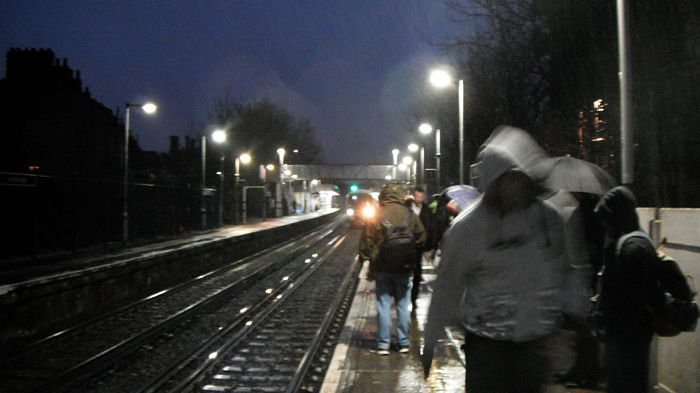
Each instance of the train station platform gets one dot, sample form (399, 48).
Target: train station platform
(353, 368)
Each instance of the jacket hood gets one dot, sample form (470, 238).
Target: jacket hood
(392, 193)
(617, 207)
(507, 148)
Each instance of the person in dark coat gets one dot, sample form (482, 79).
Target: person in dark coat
(626, 293)
(391, 273)
(420, 208)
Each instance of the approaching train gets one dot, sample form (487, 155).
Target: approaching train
(361, 207)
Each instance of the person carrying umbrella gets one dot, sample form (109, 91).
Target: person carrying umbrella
(580, 184)
(507, 281)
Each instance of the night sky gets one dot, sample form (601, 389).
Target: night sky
(354, 68)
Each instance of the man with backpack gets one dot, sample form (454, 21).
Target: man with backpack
(390, 244)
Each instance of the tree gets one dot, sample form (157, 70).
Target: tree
(541, 64)
(259, 128)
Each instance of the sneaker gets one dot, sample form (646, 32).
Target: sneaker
(380, 351)
(405, 349)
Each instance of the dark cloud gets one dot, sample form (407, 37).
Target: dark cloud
(351, 67)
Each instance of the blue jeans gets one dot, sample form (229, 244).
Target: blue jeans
(398, 287)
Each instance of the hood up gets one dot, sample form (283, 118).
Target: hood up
(507, 148)
(392, 193)
(617, 207)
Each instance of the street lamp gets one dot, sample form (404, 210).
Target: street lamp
(245, 159)
(414, 148)
(440, 78)
(426, 129)
(148, 108)
(408, 161)
(395, 154)
(278, 187)
(219, 136)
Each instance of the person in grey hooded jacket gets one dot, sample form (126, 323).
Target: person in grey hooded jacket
(503, 270)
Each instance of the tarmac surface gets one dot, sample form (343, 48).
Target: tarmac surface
(354, 368)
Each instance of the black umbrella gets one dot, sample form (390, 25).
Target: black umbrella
(573, 175)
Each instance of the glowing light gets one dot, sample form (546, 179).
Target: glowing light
(387, 177)
(245, 158)
(440, 78)
(413, 147)
(314, 182)
(287, 172)
(425, 128)
(285, 278)
(598, 139)
(243, 310)
(307, 260)
(249, 323)
(219, 136)
(314, 255)
(294, 176)
(213, 355)
(350, 212)
(270, 167)
(402, 167)
(149, 107)
(368, 211)
(407, 160)
(268, 291)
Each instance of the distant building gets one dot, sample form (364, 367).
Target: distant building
(50, 123)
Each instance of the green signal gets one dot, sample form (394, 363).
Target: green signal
(354, 188)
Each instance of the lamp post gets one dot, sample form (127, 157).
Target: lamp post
(414, 148)
(219, 136)
(408, 161)
(245, 159)
(278, 191)
(148, 108)
(425, 129)
(440, 78)
(395, 154)
(203, 205)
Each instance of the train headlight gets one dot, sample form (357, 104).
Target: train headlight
(350, 212)
(368, 211)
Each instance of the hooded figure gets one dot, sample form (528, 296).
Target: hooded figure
(392, 270)
(628, 289)
(503, 270)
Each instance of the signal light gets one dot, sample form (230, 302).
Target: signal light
(354, 188)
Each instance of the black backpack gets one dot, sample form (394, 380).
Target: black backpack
(398, 249)
(679, 313)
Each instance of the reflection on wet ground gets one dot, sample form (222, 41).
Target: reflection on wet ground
(355, 369)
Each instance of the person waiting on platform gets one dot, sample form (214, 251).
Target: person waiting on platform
(503, 268)
(420, 208)
(390, 244)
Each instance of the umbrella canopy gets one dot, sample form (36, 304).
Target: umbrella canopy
(461, 196)
(573, 175)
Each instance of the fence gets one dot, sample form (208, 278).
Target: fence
(44, 215)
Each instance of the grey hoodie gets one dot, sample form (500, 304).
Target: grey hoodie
(502, 274)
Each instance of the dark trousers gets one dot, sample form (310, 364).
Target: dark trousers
(417, 277)
(628, 364)
(494, 366)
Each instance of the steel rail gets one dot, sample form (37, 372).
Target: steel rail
(189, 382)
(97, 363)
(307, 360)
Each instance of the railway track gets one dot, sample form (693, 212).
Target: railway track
(70, 360)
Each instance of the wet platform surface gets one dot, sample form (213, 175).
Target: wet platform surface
(354, 368)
